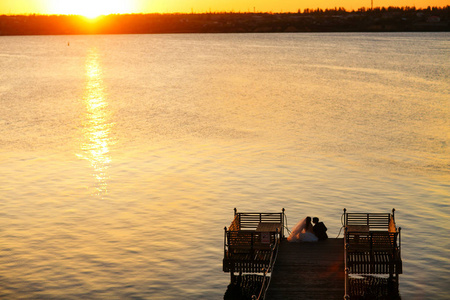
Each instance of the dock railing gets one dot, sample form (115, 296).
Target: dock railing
(266, 281)
(251, 221)
(249, 240)
(372, 245)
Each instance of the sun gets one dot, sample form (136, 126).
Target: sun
(91, 8)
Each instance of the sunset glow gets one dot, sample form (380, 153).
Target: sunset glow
(94, 8)
(91, 8)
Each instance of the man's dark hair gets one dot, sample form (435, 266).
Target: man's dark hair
(315, 219)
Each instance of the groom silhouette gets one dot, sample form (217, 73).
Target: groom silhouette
(320, 230)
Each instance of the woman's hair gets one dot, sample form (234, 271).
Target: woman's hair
(308, 224)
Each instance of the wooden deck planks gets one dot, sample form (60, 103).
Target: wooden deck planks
(308, 271)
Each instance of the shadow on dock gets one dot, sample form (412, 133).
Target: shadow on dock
(308, 271)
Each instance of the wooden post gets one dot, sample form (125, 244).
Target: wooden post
(275, 237)
(393, 256)
(225, 242)
(398, 259)
(372, 258)
(391, 265)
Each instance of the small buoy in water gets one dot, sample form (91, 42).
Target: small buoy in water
(68, 43)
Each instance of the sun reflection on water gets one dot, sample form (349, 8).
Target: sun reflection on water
(96, 124)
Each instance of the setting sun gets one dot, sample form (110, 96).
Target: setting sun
(91, 8)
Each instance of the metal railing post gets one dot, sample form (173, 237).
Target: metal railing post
(346, 270)
(345, 217)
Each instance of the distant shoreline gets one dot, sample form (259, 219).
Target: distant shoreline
(392, 19)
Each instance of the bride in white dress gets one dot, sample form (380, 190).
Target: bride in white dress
(303, 232)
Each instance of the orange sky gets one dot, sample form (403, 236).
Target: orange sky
(98, 7)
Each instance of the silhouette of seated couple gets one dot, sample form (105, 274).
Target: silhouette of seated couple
(304, 231)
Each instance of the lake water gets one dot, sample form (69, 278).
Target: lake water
(122, 157)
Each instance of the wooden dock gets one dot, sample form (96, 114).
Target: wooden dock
(257, 253)
(308, 271)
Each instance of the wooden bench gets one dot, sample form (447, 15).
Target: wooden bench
(250, 240)
(372, 243)
(369, 221)
(376, 262)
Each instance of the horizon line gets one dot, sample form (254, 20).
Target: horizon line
(299, 11)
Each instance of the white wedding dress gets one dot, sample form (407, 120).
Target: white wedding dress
(300, 234)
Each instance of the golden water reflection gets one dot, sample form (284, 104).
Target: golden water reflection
(96, 124)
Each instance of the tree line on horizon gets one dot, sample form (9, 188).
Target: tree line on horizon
(299, 11)
(309, 20)
(375, 9)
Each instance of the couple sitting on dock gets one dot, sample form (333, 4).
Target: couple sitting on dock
(304, 231)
